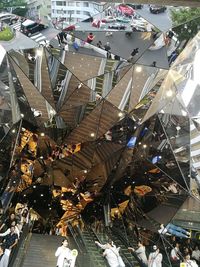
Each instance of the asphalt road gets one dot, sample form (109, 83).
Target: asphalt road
(162, 21)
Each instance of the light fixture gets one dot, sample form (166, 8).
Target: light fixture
(41, 157)
(138, 69)
(144, 146)
(120, 114)
(34, 186)
(139, 143)
(41, 195)
(169, 93)
(42, 134)
(92, 134)
(13, 131)
(85, 171)
(22, 115)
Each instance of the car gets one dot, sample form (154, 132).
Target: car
(135, 6)
(155, 9)
(29, 27)
(117, 26)
(125, 10)
(108, 19)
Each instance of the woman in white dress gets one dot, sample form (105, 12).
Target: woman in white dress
(111, 253)
(64, 255)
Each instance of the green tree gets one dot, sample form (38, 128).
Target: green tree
(186, 23)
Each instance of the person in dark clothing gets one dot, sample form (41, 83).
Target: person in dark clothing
(135, 52)
(11, 239)
(99, 44)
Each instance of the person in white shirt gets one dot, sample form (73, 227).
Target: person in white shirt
(141, 252)
(111, 253)
(155, 258)
(4, 257)
(196, 254)
(188, 262)
(64, 255)
(175, 253)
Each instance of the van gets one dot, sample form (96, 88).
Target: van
(29, 27)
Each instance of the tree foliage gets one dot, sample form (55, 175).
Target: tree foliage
(186, 22)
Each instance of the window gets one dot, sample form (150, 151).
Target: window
(86, 13)
(71, 3)
(78, 3)
(78, 12)
(85, 4)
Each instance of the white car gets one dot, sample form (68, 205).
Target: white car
(108, 19)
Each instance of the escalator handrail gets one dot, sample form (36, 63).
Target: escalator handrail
(74, 237)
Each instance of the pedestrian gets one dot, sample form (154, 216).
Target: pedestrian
(135, 52)
(90, 38)
(141, 253)
(99, 44)
(107, 47)
(111, 252)
(4, 257)
(155, 258)
(64, 255)
(153, 64)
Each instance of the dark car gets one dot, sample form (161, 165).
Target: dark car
(29, 27)
(155, 9)
(135, 6)
(117, 26)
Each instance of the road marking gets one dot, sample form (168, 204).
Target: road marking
(36, 36)
(40, 39)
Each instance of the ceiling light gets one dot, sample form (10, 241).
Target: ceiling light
(13, 130)
(169, 93)
(34, 186)
(139, 143)
(92, 134)
(22, 115)
(138, 69)
(120, 114)
(85, 171)
(41, 195)
(42, 134)
(144, 146)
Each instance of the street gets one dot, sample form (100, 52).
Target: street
(162, 21)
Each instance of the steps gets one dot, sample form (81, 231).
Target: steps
(41, 251)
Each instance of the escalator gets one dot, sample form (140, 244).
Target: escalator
(89, 254)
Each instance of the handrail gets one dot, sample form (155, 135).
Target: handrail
(74, 237)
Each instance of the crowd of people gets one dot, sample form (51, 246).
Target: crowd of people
(10, 231)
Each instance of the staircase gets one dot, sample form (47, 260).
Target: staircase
(41, 251)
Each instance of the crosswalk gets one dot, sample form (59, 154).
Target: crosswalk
(37, 37)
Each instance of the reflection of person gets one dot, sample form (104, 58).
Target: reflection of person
(111, 252)
(141, 253)
(173, 230)
(63, 253)
(90, 38)
(155, 258)
(4, 257)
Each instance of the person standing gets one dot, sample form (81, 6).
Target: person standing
(155, 258)
(111, 253)
(4, 257)
(141, 253)
(64, 255)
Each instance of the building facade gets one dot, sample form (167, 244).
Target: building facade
(74, 11)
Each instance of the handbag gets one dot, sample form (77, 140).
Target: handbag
(66, 263)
